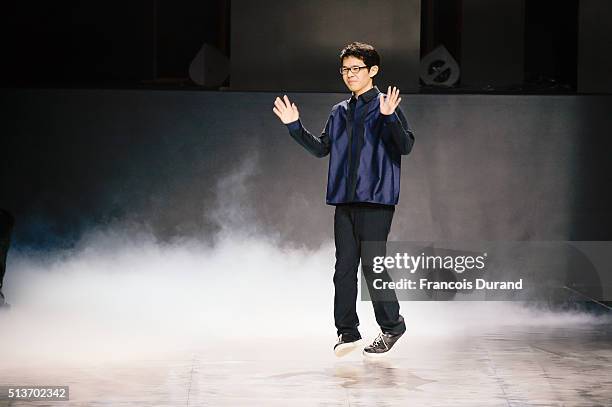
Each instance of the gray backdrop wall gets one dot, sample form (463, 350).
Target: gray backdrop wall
(183, 163)
(296, 45)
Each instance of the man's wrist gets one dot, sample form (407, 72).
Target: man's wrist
(295, 125)
(390, 118)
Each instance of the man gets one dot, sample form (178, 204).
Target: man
(365, 137)
(6, 225)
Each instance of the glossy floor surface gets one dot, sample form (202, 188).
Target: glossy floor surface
(502, 366)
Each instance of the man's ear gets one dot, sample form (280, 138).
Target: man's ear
(373, 71)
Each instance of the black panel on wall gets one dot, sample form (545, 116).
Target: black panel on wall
(595, 47)
(108, 44)
(492, 46)
(295, 45)
(551, 54)
(77, 43)
(441, 25)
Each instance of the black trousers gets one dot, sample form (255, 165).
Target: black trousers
(353, 224)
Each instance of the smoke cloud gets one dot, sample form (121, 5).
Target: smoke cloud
(120, 293)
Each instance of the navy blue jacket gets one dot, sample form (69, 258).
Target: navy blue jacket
(365, 149)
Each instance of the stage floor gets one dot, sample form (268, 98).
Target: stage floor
(513, 366)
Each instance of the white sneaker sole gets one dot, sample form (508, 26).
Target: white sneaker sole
(375, 355)
(346, 348)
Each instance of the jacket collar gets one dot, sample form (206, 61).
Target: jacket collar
(367, 96)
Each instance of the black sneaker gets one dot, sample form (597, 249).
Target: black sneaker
(382, 344)
(346, 344)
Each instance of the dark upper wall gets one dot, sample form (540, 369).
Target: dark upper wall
(503, 46)
(183, 163)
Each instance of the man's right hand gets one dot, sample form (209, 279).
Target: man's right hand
(286, 111)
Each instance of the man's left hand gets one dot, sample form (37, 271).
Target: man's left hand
(388, 104)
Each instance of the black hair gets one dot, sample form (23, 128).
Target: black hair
(366, 52)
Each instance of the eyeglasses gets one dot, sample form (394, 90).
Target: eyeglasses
(353, 69)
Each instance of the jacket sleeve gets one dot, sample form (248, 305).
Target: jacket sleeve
(317, 146)
(401, 132)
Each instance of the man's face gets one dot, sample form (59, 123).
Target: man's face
(360, 80)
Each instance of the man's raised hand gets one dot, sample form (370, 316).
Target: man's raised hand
(388, 104)
(286, 111)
